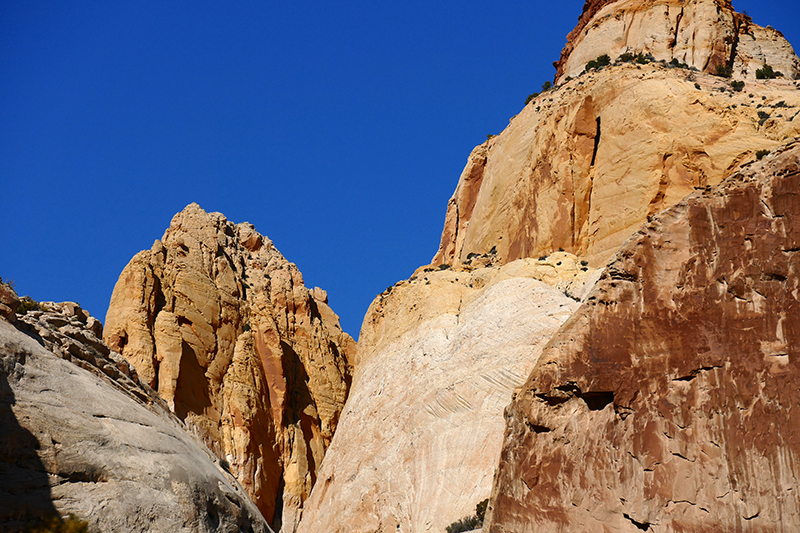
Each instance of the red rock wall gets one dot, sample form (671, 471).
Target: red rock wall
(669, 402)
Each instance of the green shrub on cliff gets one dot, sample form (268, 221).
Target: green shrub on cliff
(468, 523)
(724, 71)
(597, 64)
(766, 73)
(26, 304)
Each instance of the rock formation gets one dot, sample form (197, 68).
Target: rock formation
(82, 435)
(584, 164)
(704, 34)
(218, 322)
(657, 392)
(580, 169)
(669, 401)
(439, 355)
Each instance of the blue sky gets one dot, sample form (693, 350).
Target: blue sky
(338, 129)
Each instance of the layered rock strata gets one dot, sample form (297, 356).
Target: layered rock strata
(82, 435)
(218, 322)
(439, 356)
(583, 165)
(669, 403)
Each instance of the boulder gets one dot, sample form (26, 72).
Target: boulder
(702, 34)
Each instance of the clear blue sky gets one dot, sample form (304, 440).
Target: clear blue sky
(338, 128)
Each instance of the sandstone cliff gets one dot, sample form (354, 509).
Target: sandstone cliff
(80, 434)
(218, 322)
(580, 169)
(669, 401)
(584, 164)
(704, 34)
(440, 354)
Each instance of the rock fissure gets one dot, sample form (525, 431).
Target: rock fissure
(642, 526)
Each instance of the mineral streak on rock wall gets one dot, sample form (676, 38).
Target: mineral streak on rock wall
(420, 436)
(668, 402)
(584, 164)
(221, 325)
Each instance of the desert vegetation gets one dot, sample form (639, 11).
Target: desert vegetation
(469, 523)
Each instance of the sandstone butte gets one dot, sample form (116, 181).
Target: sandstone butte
(217, 321)
(669, 401)
(83, 435)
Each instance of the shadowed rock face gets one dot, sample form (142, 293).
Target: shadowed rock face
(584, 164)
(81, 434)
(669, 401)
(218, 322)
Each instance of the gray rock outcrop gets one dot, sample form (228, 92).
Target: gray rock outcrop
(80, 434)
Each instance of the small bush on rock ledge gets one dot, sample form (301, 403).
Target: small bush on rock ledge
(597, 64)
(26, 304)
(767, 73)
(468, 523)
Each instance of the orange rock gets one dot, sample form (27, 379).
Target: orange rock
(221, 325)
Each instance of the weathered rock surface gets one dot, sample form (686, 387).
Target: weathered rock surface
(80, 434)
(218, 322)
(583, 165)
(420, 435)
(704, 34)
(669, 401)
(9, 302)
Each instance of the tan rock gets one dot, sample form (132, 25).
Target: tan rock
(583, 165)
(703, 34)
(419, 438)
(669, 401)
(9, 302)
(758, 46)
(217, 321)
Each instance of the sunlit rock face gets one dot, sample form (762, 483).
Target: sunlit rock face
(669, 402)
(218, 322)
(704, 34)
(583, 165)
(439, 355)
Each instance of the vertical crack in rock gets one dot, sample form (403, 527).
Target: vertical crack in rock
(596, 142)
(674, 40)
